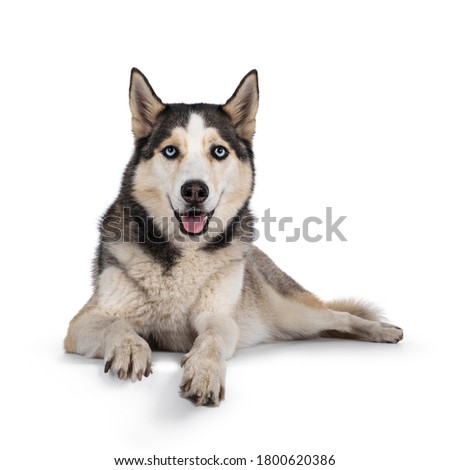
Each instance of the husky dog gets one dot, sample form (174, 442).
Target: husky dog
(175, 268)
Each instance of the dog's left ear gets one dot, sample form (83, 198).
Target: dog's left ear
(145, 105)
(243, 105)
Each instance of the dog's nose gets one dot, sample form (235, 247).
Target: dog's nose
(194, 192)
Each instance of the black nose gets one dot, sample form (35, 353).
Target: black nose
(194, 192)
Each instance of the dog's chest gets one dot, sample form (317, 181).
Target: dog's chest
(159, 301)
(153, 296)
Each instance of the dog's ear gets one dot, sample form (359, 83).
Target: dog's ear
(243, 105)
(144, 104)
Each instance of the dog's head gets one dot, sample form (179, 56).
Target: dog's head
(194, 163)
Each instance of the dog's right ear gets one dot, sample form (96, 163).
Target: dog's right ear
(144, 104)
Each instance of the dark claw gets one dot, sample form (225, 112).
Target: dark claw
(148, 371)
(210, 402)
(107, 366)
(194, 399)
(186, 386)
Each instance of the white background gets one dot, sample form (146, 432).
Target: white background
(354, 114)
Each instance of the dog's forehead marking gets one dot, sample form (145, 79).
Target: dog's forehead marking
(195, 132)
(195, 138)
(196, 125)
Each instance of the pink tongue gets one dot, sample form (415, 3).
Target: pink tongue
(193, 223)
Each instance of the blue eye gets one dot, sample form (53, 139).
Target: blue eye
(170, 151)
(219, 152)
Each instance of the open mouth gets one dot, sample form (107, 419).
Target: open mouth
(194, 222)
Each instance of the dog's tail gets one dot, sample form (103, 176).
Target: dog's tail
(358, 307)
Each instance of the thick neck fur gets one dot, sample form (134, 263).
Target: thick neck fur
(127, 221)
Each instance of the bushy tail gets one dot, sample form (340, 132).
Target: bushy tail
(357, 307)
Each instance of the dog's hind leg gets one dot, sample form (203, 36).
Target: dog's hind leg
(304, 316)
(292, 312)
(93, 333)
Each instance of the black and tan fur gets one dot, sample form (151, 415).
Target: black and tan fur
(205, 294)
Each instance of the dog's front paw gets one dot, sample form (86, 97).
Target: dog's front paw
(203, 380)
(129, 358)
(386, 333)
